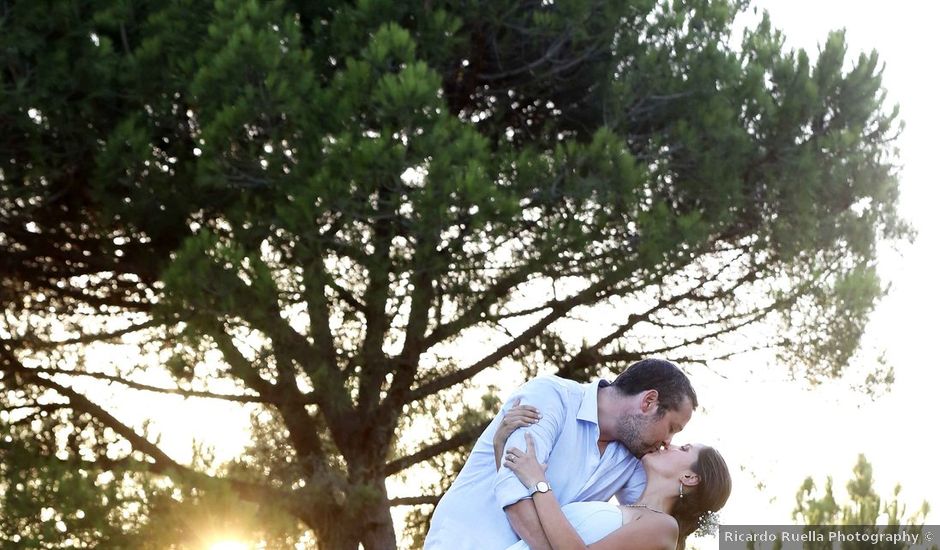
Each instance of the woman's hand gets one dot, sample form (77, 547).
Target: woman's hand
(519, 416)
(526, 464)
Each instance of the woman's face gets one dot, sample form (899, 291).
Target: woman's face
(673, 460)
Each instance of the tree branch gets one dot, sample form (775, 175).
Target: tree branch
(249, 491)
(473, 314)
(414, 501)
(591, 355)
(560, 309)
(161, 462)
(80, 404)
(725, 356)
(347, 296)
(39, 345)
(456, 441)
(146, 387)
(553, 50)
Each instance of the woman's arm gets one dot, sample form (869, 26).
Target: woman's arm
(652, 531)
(561, 535)
(519, 416)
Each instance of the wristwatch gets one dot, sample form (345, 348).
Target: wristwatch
(540, 487)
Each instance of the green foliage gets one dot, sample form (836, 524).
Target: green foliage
(863, 507)
(48, 503)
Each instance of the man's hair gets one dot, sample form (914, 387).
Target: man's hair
(671, 383)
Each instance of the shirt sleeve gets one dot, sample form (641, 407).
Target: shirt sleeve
(634, 486)
(549, 399)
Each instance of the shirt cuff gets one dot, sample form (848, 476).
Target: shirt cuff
(509, 490)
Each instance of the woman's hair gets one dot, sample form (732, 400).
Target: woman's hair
(709, 495)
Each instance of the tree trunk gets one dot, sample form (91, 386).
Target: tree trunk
(340, 535)
(353, 523)
(379, 532)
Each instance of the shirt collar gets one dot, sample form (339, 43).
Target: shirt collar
(588, 410)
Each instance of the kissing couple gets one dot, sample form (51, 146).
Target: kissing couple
(570, 447)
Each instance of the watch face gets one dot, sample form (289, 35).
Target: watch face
(541, 487)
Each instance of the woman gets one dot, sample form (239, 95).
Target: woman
(683, 485)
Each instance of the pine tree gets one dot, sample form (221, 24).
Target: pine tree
(864, 508)
(316, 209)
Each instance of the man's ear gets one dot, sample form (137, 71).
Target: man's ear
(650, 400)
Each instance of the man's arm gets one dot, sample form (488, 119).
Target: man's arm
(519, 416)
(511, 494)
(525, 522)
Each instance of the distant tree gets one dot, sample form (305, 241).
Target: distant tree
(341, 214)
(864, 507)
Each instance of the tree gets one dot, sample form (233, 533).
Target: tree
(312, 208)
(864, 507)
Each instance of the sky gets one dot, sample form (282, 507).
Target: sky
(800, 431)
(775, 432)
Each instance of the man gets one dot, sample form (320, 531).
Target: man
(590, 435)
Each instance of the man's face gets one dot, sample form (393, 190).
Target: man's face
(646, 432)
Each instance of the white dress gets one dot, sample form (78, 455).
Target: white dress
(592, 520)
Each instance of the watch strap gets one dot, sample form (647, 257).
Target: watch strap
(540, 487)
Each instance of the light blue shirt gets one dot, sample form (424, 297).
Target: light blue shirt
(470, 515)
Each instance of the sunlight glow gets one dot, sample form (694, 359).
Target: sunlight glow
(228, 545)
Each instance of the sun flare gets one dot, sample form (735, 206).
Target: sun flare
(228, 545)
